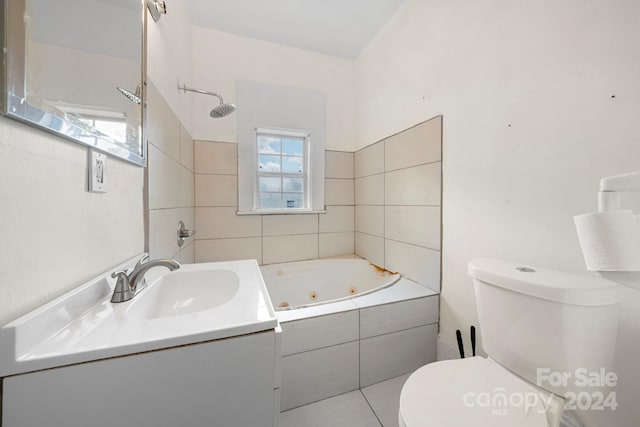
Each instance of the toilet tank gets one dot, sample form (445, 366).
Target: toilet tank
(536, 321)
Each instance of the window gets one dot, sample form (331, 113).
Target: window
(285, 116)
(282, 173)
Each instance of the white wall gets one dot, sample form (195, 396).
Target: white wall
(56, 234)
(169, 57)
(219, 59)
(526, 90)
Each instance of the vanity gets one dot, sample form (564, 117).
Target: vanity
(199, 346)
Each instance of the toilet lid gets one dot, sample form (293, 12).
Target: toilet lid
(474, 392)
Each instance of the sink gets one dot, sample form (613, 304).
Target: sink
(197, 303)
(183, 292)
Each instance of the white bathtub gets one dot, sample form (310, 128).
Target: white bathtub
(307, 283)
(347, 338)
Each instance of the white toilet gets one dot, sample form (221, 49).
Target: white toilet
(530, 318)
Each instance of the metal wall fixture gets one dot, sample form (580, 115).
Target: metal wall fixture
(183, 234)
(156, 8)
(136, 97)
(220, 110)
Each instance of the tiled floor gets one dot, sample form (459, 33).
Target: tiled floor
(373, 406)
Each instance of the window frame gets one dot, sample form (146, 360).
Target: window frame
(305, 175)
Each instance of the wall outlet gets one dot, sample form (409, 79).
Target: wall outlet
(97, 172)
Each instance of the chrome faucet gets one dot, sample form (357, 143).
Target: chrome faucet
(127, 284)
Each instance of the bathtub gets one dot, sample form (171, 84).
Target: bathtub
(295, 285)
(347, 325)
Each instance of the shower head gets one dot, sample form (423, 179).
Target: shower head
(156, 8)
(136, 98)
(221, 110)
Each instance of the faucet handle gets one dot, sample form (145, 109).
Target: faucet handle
(122, 291)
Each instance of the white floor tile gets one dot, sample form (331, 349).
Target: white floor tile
(384, 398)
(346, 410)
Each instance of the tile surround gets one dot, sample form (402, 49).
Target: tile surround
(318, 374)
(268, 238)
(393, 338)
(397, 202)
(370, 160)
(170, 181)
(396, 353)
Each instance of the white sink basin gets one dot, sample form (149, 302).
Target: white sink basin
(197, 303)
(183, 292)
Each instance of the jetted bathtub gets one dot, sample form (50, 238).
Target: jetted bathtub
(347, 324)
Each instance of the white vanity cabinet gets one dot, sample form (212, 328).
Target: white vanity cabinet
(229, 382)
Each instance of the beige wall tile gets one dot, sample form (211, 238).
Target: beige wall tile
(387, 318)
(319, 374)
(170, 184)
(216, 158)
(370, 190)
(417, 263)
(335, 244)
(338, 164)
(163, 224)
(419, 185)
(220, 222)
(187, 183)
(370, 219)
(187, 147)
(337, 219)
(415, 146)
(338, 192)
(369, 160)
(418, 225)
(216, 190)
(289, 248)
(391, 355)
(229, 249)
(163, 127)
(370, 248)
(278, 225)
(318, 332)
(188, 253)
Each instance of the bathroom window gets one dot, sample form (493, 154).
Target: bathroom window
(282, 171)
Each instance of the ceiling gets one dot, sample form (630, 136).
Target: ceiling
(335, 27)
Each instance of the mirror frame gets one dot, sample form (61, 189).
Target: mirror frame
(13, 102)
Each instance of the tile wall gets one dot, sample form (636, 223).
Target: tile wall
(170, 181)
(398, 201)
(332, 354)
(223, 235)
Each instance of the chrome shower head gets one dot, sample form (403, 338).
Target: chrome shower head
(221, 110)
(156, 8)
(136, 98)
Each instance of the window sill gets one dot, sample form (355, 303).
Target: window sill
(283, 212)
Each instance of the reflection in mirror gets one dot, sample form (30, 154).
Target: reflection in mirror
(82, 71)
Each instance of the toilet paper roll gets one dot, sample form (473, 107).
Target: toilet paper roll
(610, 240)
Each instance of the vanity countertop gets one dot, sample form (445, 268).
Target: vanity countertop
(83, 325)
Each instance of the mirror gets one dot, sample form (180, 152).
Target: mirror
(75, 68)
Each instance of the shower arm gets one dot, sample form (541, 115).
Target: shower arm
(185, 89)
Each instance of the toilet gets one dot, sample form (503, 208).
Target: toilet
(538, 327)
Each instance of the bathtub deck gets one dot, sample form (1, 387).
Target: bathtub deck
(376, 405)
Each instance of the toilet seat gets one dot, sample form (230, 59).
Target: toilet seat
(475, 392)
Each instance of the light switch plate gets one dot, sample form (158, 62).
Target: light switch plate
(97, 172)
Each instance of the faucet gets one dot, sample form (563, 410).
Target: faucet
(127, 284)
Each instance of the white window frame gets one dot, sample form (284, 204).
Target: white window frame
(306, 175)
